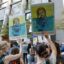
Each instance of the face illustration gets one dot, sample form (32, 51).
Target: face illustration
(41, 12)
(15, 21)
(16, 28)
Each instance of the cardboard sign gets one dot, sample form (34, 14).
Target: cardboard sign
(42, 18)
(17, 27)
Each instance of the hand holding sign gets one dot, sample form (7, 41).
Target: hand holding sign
(19, 40)
(46, 35)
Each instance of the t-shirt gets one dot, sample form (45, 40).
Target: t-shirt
(31, 59)
(25, 48)
(52, 59)
(43, 62)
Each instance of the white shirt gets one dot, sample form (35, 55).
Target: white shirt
(52, 59)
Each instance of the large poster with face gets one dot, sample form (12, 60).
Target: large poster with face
(42, 17)
(17, 27)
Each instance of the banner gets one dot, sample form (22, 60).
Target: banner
(42, 17)
(17, 27)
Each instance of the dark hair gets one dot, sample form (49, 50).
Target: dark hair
(15, 51)
(22, 40)
(41, 8)
(41, 50)
(15, 19)
(14, 43)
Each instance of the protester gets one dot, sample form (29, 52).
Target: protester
(24, 51)
(44, 52)
(58, 58)
(29, 46)
(31, 56)
(5, 57)
(13, 52)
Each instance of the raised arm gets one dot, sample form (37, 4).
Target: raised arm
(13, 57)
(52, 45)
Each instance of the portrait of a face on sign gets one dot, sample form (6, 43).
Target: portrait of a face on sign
(42, 17)
(17, 26)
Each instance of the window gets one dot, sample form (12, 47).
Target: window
(16, 1)
(4, 3)
(39, 1)
(44, 1)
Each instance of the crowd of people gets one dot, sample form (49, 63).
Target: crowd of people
(20, 52)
